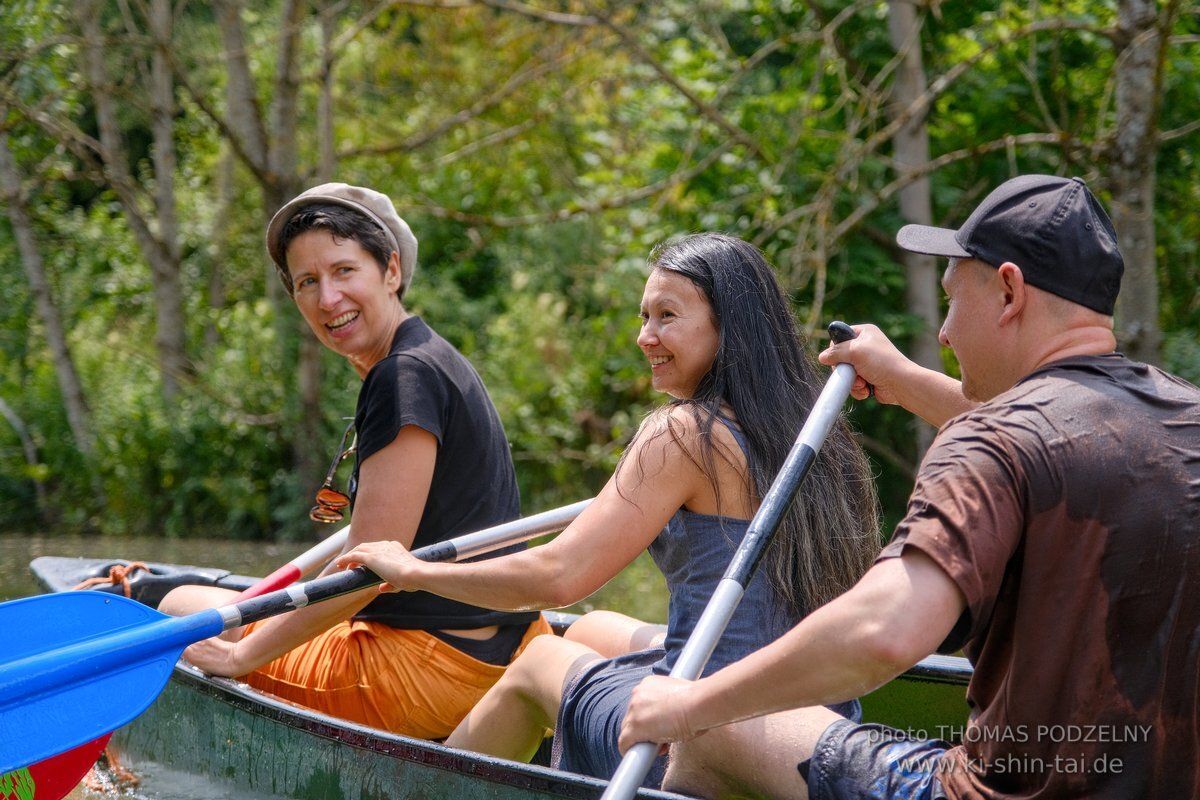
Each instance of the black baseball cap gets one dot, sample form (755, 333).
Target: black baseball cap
(1053, 228)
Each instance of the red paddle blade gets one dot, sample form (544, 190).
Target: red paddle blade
(55, 777)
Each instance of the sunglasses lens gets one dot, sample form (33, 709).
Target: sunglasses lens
(322, 514)
(332, 499)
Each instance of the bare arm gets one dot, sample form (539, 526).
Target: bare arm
(931, 395)
(393, 485)
(654, 480)
(900, 611)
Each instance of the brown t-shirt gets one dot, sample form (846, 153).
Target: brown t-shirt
(1067, 510)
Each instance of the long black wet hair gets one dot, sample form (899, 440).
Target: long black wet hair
(764, 375)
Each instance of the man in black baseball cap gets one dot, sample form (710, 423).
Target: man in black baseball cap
(1052, 536)
(1053, 228)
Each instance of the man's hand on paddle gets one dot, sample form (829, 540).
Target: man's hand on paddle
(892, 378)
(877, 363)
(657, 713)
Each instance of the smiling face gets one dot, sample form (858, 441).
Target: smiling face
(350, 304)
(679, 335)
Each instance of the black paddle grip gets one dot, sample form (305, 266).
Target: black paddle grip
(840, 332)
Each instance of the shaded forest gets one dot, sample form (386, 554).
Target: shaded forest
(156, 379)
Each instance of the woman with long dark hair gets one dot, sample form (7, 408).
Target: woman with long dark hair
(721, 341)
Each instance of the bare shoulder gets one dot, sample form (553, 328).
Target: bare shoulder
(680, 431)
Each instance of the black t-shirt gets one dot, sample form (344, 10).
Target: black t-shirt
(425, 382)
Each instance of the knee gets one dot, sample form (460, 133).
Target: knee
(611, 634)
(187, 600)
(593, 623)
(524, 675)
(693, 769)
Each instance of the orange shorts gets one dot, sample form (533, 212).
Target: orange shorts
(404, 681)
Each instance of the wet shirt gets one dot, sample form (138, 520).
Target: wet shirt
(1067, 511)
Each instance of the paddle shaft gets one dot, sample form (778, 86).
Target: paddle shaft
(315, 556)
(464, 546)
(351, 580)
(715, 618)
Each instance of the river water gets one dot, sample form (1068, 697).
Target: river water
(639, 591)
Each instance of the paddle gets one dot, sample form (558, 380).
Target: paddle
(639, 759)
(106, 658)
(78, 760)
(317, 555)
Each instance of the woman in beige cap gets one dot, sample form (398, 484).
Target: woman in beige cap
(431, 462)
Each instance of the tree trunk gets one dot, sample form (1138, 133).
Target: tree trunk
(269, 150)
(1141, 51)
(912, 151)
(160, 252)
(31, 458)
(170, 328)
(79, 416)
(221, 249)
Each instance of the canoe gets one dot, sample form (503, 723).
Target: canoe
(260, 745)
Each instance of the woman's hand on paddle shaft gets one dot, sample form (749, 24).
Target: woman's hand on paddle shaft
(216, 656)
(657, 713)
(389, 560)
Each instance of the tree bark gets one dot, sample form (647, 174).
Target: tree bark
(170, 327)
(269, 150)
(79, 416)
(1142, 33)
(159, 249)
(911, 146)
(29, 447)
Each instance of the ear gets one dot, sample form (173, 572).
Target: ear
(1012, 282)
(392, 274)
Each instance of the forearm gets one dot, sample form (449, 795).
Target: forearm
(526, 581)
(897, 614)
(275, 636)
(931, 395)
(827, 660)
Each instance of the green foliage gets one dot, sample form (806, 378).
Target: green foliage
(538, 164)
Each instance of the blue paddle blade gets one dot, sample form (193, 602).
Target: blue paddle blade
(79, 664)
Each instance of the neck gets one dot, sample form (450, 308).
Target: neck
(362, 363)
(1087, 340)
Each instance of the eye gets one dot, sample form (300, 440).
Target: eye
(305, 282)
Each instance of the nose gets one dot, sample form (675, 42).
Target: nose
(945, 342)
(329, 295)
(647, 336)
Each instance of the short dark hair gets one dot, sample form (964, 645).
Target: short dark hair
(343, 223)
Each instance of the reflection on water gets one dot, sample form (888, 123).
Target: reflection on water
(638, 591)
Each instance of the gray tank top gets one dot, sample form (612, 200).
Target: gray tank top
(693, 551)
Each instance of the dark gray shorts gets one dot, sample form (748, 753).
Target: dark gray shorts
(873, 762)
